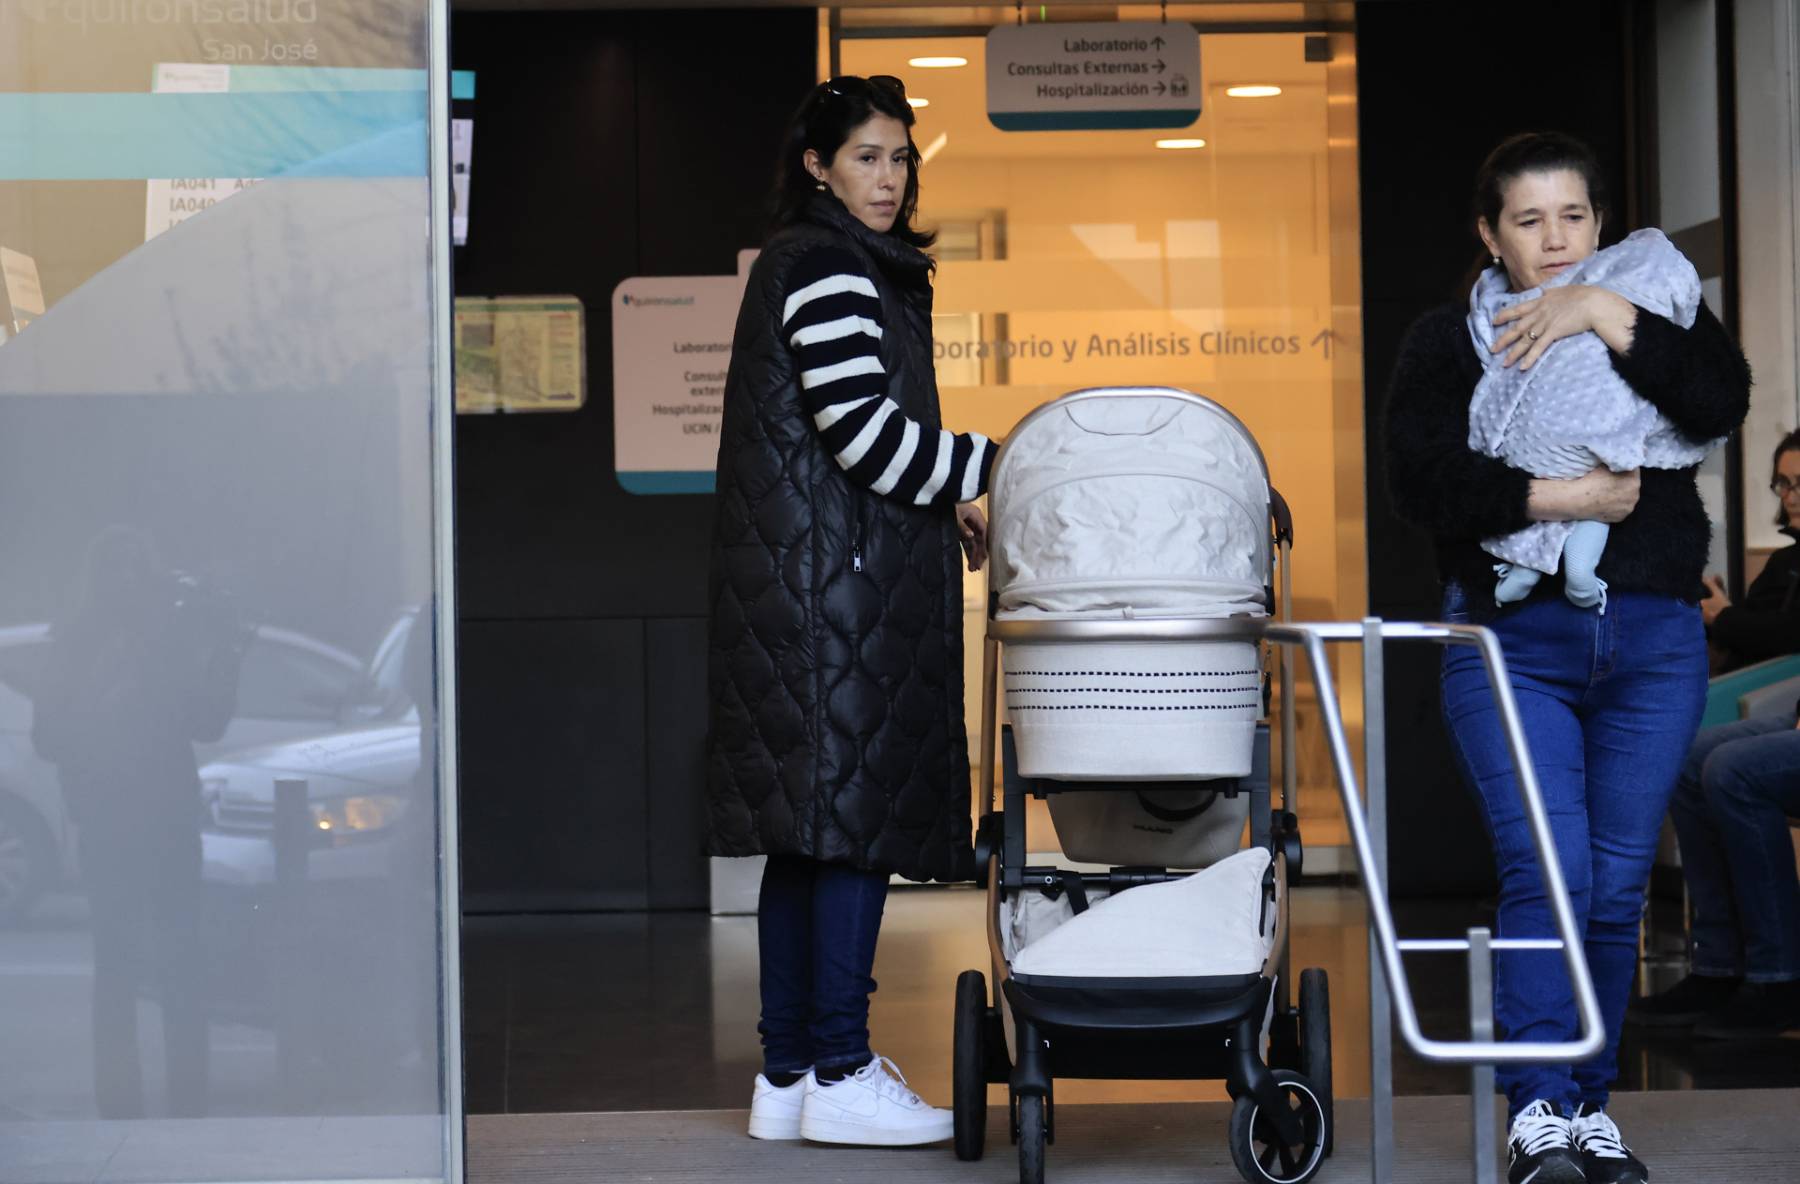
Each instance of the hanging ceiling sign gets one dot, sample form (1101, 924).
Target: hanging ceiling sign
(1062, 77)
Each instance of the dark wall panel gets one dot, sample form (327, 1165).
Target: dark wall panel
(607, 144)
(1439, 85)
(553, 809)
(675, 691)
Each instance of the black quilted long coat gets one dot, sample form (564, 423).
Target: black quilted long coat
(837, 693)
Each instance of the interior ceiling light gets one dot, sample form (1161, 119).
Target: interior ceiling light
(1253, 92)
(916, 103)
(1181, 143)
(937, 63)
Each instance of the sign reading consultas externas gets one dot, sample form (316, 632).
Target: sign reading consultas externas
(1051, 77)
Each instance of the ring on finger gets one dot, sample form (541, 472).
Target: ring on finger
(1532, 333)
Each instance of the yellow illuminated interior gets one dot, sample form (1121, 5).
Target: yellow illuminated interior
(1071, 259)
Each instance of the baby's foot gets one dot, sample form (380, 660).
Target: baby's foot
(1585, 590)
(1515, 582)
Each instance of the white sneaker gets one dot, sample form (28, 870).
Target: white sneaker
(874, 1108)
(775, 1112)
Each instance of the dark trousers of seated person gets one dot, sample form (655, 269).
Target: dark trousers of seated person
(816, 930)
(1739, 786)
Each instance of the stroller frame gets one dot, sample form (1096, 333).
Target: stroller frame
(981, 1039)
(1206, 1030)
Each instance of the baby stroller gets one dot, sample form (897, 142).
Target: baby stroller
(1133, 539)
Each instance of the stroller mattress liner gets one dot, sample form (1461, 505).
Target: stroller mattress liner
(1215, 923)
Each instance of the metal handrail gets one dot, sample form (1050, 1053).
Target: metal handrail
(1312, 637)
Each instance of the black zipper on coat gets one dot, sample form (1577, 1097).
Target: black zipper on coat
(862, 530)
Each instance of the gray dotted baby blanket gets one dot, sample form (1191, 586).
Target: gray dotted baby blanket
(1571, 411)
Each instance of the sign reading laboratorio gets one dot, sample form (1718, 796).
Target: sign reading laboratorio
(671, 351)
(1080, 76)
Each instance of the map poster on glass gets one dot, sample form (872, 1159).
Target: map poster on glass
(520, 353)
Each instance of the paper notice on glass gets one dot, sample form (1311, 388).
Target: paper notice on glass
(21, 294)
(171, 201)
(462, 143)
(190, 78)
(520, 353)
(477, 362)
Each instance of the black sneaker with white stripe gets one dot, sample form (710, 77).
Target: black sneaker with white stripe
(1542, 1148)
(1603, 1154)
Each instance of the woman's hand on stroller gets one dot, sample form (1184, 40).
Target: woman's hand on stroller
(971, 524)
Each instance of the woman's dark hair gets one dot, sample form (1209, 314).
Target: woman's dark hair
(1531, 152)
(823, 123)
(1789, 443)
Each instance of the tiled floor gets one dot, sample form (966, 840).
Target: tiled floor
(1737, 1137)
(658, 1011)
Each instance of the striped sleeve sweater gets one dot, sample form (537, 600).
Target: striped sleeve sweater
(832, 320)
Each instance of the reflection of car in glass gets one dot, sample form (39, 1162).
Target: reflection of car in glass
(358, 775)
(358, 840)
(290, 685)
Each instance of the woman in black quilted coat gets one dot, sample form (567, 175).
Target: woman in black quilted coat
(837, 747)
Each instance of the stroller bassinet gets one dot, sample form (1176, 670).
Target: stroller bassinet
(1114, 511)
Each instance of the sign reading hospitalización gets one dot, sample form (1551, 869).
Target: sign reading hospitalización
(1061, 77)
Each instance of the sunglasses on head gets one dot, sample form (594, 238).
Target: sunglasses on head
(843, 85)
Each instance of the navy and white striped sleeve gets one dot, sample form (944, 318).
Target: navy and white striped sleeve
(832, 319)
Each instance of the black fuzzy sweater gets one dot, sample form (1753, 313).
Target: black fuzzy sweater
(1696, 377)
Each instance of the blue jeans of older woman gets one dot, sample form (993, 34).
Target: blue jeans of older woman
(1609, 703)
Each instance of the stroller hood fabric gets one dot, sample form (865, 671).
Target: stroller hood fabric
(1130, 505)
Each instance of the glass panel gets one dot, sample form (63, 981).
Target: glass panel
(221, 922)
(1227, 266)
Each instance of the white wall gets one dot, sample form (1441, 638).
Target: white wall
(1687, 182)
(1766, 54)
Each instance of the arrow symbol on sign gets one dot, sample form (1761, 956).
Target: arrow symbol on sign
(1160, 66)
(1161, 87)
(1158, 42)
(1324, 339)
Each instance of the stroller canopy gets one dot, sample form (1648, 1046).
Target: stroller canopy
(1144, 502)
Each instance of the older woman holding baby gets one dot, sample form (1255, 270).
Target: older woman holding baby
(1546, 434)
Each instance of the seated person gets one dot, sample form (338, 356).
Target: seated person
(1739, 786)
(1767, 623)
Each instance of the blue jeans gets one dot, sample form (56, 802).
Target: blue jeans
(1609, 703)
(1737, 789)
(816, 930)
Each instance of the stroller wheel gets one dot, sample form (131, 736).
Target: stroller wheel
(1315, 1043)
(968, 1066)
(1260, 1155)
(1031, 1139)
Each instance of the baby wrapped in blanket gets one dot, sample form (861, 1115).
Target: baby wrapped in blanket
(1572, 411)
